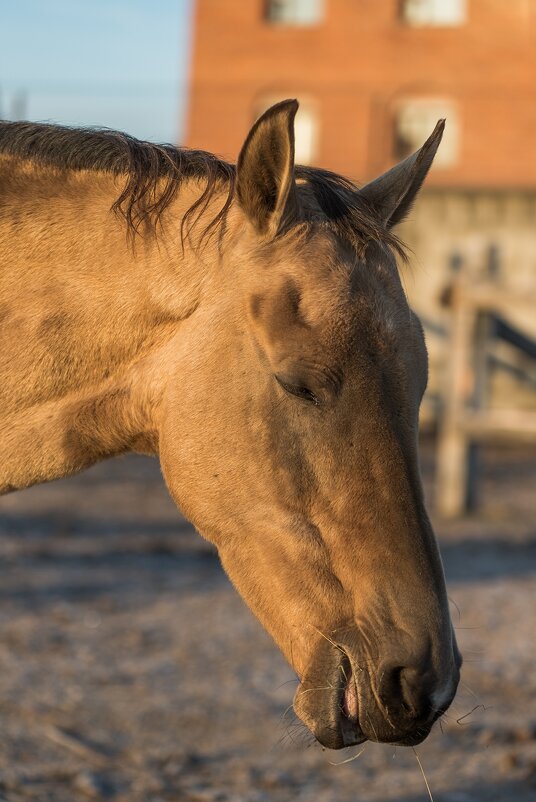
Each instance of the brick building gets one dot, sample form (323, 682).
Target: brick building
(373, 76)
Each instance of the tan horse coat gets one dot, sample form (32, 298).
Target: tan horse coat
(272, 365)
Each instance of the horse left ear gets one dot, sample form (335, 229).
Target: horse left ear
(391, 196)
(265, 185)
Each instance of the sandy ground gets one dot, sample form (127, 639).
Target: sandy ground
(131, 671)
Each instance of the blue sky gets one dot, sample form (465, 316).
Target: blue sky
(117, 63)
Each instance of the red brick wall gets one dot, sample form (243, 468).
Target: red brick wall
(354, 66)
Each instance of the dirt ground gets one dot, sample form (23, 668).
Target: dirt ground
(130, 670)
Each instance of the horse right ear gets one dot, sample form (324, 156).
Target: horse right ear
(391, 196)
(265, 185)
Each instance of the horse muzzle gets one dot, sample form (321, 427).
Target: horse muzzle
(345, 703)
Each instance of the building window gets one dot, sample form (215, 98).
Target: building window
(306, 128)
(295, 12)
(306, 133)
(414, 122)
(434, 12)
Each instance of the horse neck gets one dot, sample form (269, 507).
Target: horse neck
(79, 298)
(89, 321)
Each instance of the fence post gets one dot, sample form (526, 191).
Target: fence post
(484, 331)
(453, 465)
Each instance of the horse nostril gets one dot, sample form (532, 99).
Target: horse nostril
(404, 691)
(409, 683)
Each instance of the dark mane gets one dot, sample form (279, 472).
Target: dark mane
(155, 173)
(348, 216)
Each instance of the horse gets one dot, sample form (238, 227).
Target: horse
(247, 325)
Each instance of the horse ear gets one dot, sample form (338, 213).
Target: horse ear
(391, 195)
(265, 185)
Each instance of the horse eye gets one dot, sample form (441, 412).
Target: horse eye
(299, 390)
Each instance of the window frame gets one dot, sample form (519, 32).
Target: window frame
(308, 104)
(438, 107)
(297, 22)
(432, 22)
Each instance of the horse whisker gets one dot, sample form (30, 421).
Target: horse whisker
(459, 720)
(350, 759)
(423, 774)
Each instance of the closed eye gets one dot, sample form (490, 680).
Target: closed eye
(298, 390)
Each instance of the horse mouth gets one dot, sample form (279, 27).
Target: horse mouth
(350, 702)
(349, 707)
(328, 702)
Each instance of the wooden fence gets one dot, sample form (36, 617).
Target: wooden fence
(479, 318)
